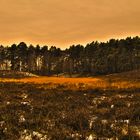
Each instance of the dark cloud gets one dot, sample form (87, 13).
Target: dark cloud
(61, 23)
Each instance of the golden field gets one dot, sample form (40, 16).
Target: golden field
(127, 80)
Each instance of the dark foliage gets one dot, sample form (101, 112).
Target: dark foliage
(95, 58)
(28, 112)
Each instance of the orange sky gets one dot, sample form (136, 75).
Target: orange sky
(63, 23)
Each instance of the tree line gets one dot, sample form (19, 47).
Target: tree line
(95, 58)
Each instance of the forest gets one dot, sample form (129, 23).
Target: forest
(113, 56)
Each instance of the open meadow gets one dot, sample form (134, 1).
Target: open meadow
(57, 108)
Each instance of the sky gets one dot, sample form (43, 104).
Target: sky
(63, 23)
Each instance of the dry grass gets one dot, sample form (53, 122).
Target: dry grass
(57, 109)
(129, 80)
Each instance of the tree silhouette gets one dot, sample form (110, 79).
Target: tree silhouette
(95, 58)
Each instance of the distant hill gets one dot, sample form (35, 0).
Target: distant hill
(129, 75)
(15, 74)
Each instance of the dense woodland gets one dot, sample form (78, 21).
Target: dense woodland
(92, 59)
